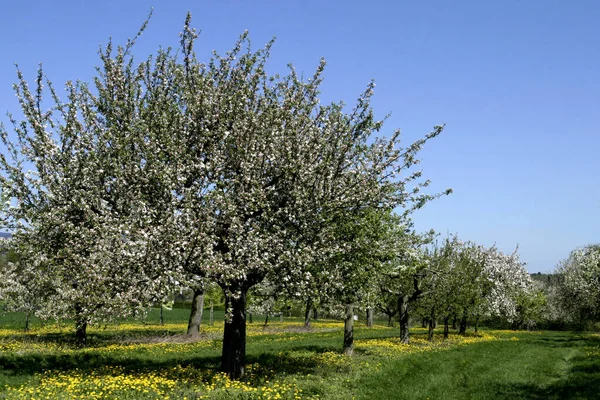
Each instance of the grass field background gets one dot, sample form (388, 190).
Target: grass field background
(137, 360)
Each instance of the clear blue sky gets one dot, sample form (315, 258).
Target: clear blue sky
(516, 82)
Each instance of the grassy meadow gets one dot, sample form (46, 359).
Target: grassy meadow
(135, 360)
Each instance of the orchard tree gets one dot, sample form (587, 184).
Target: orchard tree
(473, 285)
(530, 308)
(470, 281)
(404, 277)
(387, 304)
(579, 285)
(486, 282)
(441, 285)
(271, 170)
(509, 283)
(366, 242)
(84, 207)
(20, 290)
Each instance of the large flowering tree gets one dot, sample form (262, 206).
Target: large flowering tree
(508, 282)
(579, 284)
(85, 205)
(270, 169)
(176, 168)
(487, 282)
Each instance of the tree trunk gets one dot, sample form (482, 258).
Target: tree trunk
(390, 320)
(315, 313)
(369, 317)
(161, 318)
(249, 317)
(477, 324)
(431, 326)
(266, 320)
(454, 322)
(80, 326)
(196, 314)
(81, 332)
(463, 324)
(404, 319)
(307, 313)
(446, 320)
(27, 322)
(424, 323)
(212, 313)
(349, 330)
(233, 357)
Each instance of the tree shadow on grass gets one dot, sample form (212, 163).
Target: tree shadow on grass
(578, 385)
(29, 364)
(289, 361)
(93, 339)
(582, 380)
(584, 343)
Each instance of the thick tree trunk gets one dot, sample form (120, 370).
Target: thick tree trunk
(370, 317)
(27, 322)
(349, 330)
(477, 324)
(431, 327)
(390, 320)
(463, 324)
(195, 320)
(249, 317)
(80, 326)
(307, 313)
(233, 357)
(404, 319)
(446, 330)
(315, 313)
(212, 314)
(266, 320)
(454, 322)
(81, 332)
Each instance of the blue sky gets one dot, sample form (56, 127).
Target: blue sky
(516, 83)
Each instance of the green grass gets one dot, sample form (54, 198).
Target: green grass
(291, 362)
(548, 365)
